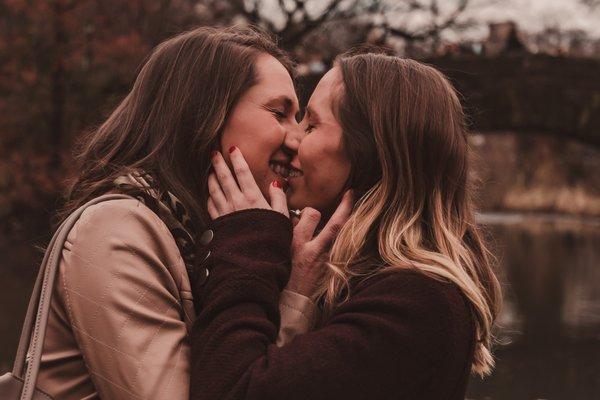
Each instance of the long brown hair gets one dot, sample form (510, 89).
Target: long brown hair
(171, 120)
(405, 133)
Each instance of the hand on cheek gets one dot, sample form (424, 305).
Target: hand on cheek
(227, 195)
(310, 251)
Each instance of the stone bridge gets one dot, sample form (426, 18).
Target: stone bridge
(530, 94)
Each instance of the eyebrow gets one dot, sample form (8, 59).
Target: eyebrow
(287, 102)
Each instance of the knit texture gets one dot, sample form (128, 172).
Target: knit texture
(401, 335)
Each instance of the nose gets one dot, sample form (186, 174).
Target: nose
(292, 139)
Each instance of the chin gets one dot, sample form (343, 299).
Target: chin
(295, 203)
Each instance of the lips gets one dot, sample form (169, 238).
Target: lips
(285, 170)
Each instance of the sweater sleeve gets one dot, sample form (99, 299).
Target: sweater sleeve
(384, 342)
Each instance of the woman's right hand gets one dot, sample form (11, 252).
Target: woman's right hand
(309, 252)
(229, 194)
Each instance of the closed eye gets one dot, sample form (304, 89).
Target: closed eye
(312, 120)
(278, 114)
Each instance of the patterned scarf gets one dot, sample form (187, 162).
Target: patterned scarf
(167, 207)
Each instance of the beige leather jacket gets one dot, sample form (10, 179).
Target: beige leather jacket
(122, 310)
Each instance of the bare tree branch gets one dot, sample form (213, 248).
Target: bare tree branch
(293, 33)
(299, 23)
(435, 29)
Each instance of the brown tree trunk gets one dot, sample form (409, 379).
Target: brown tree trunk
(58, 91)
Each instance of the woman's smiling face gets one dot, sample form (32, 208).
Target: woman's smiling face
(321, 157)
(263, 123)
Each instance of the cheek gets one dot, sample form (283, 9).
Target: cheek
(256, 134)
(326, 169)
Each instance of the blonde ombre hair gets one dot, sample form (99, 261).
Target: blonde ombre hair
(405, 133)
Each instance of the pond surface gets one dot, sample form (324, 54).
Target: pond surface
(551, 317)
(550, 323)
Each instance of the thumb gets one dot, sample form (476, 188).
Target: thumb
(278, 199)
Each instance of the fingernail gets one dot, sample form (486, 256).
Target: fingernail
(277, 184)
(231, 149)
(214, 154)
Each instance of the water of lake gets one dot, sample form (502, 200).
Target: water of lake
(551, 317)
(550, 323)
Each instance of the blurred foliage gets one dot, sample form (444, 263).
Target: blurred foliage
(64, 64)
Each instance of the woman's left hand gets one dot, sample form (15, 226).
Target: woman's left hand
(310, 251)
(226, 196)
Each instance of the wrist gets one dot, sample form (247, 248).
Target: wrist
(302, 287)
(253, 240)
(256, 233)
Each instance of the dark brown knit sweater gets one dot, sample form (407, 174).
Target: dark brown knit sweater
(401, 335)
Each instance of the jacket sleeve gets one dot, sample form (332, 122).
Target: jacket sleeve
(298, 314)
(123, 304)
(379, 344)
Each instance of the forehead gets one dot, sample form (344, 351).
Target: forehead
(324, 94)
(273, 78)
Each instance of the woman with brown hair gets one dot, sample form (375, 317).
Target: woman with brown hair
(122, 305)
(408, 293)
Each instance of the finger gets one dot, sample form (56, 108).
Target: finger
(278, 199)
(216, 193)
(324, 239)
(225, 178)
(295, 221)
(242, 172)
(305, 229)
(212, 209)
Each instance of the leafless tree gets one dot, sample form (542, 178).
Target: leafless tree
(436, 19)
(293, 21)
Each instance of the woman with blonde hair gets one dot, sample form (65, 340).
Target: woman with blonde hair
(407, 290)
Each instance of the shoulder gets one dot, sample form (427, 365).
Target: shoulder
(113, 215)
(405, 309)
(427, 311)
(408, 282)
(126, 219)
(431, 298)
(120, 228)
(122, 247)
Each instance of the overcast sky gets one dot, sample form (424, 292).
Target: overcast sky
(531, 15)
(536, 15)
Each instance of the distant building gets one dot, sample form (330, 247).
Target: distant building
(571, 43)
(504, 38)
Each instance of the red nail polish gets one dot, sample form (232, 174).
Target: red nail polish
(214, 154)
(231, 149)
(277, 184)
